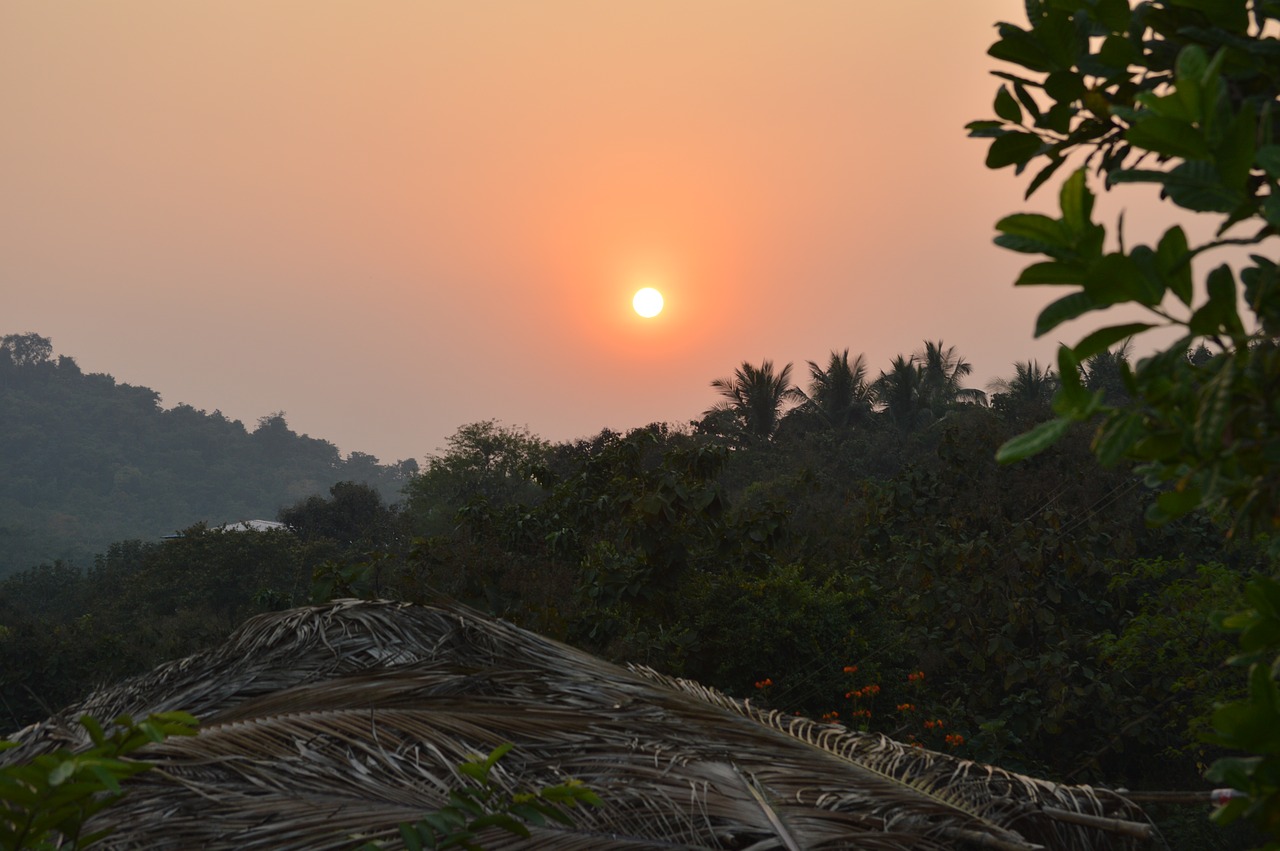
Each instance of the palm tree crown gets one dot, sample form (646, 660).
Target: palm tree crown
(839, 393)
(1030, 383)
(898, 392)
(756, 395)
(941, 368)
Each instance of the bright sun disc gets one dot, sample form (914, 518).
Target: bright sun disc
(647, 302)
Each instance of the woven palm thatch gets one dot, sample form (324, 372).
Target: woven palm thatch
(327, 726)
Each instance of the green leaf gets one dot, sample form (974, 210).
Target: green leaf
(1013, 149)
(1118, 278)
(1219, 313)
(1072, 399)
(986, 129)
(413, 838)
(1076, 201)
(1064, 86)
(1168, 106)
(1234, 155)
(1170, 137)
(1172, 504)
(1174, 258)
(1231, 15)
(1117, 437)
(62, 771)
(1052, 273)
(1189, 69)
(1033, 442)
(1066, 308)
(1036, 227)
(1026, 99)
(1197, 186)
(1113, 14)
(1007, 108)
(1211, 416)
(1117, 52)
(1055, 163)
(1104, 338)
(1268, 158)
(1019, 47)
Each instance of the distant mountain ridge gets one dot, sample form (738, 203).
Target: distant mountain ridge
(85, 461)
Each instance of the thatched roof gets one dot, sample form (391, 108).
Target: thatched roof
(325, 726)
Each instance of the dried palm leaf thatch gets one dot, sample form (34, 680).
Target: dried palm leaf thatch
(327, 726)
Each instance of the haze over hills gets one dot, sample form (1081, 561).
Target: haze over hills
(86, 460)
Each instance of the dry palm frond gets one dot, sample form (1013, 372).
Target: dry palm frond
(327, 726)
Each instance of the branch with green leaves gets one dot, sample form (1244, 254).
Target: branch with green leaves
(46, 801)
(1180, 94)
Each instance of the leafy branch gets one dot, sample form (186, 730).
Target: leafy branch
(45, 802)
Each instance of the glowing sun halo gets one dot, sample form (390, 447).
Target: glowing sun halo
(647, 302)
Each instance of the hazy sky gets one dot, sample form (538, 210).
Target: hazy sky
(388, 219)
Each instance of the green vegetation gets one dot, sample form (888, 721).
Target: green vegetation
(85, 461)
(1182, 95)
(1053, 616)
(482, 804)
(45, 802)
(1056, 632)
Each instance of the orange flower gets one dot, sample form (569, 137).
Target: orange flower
(915, 677)
(851, 669)
(954, 739)
(906, 707)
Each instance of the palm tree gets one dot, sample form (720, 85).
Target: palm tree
(839, 393)
(898, 392)
(756, 396)
(1030, 383)
(1105, 371)
(328, 726)
(942, 367)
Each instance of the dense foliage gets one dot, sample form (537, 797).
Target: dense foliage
(1182, 95)
(1052, 630)
(85, 461)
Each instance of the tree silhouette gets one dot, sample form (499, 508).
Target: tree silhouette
(756, 396)
(839, 393)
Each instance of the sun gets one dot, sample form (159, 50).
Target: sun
(647, 302)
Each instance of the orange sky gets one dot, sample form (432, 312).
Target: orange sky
(389, 219)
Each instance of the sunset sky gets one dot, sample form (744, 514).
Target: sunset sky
(388, 219)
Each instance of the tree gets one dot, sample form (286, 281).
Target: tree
(756, 395)
(1181, 94)
(898, 392)
(355, 514)
(27, 349)
(485, 462)
(1105, 371)
(839, 393)
(941, 368)
(1031, 384)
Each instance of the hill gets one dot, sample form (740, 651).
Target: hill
(86, 460)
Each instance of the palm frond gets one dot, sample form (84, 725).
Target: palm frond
(327, 726)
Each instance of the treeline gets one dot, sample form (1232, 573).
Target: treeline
(85, 461)
(788, 534)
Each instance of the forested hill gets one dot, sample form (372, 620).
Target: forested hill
(85, 460)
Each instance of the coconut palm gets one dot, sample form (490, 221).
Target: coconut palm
(897, 391)
(941, 368)
(839, 393)
(756, 396)
(327, 727)
(1030, 383)
(1104, 371)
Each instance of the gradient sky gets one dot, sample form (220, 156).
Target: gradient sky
(388, 219)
